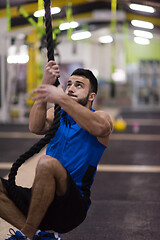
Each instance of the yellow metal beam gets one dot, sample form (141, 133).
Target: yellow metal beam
(32, 7)
(55, 22)
(29, 8)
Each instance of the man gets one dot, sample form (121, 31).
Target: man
(61, 189)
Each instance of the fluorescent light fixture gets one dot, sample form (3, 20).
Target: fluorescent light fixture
(12, 50)
(105, 39)
(21, 57)
(80, 35)
(142, 24)
(143, 8)
(143, 34)
(23, 54)
(67, 25)
(74, 24)
(41, 13)
(14, 59)
(64, 26)
(142, 41)
(119, 76)
(55, 10)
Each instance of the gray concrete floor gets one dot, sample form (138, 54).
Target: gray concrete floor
(125, 194)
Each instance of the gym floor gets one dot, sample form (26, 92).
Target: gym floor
(125, 195)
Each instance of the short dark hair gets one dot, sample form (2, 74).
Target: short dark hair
(87, 74)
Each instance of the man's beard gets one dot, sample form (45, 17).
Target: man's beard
(83, 101)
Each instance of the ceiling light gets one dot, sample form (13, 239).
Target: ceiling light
(14, 59)
(105, 39)
(143, 34)
(143, 8)
(12, 50)
(67, 25)
(20, 57)
(41, 13)
(74, 24)
(55, 10)
(80, 35)
(142, 41)
(142, 24)
(119, 76)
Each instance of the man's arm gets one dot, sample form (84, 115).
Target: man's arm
(40, 119)
(97, 123)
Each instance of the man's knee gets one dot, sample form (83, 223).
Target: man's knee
(2, 188)
(49, 165)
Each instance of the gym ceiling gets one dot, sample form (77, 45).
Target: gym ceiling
(83, 11)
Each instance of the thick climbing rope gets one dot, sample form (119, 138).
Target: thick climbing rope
(50, 134)
(49, 37)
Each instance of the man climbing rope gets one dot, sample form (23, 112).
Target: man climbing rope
(60, 196)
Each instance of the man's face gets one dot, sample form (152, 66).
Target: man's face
(78, 88)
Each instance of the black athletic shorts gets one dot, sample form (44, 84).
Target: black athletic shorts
(65, 212)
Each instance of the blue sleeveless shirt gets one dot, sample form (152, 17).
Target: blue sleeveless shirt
(77, 150)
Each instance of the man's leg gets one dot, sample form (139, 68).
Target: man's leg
(8, 210)
(51, 178)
